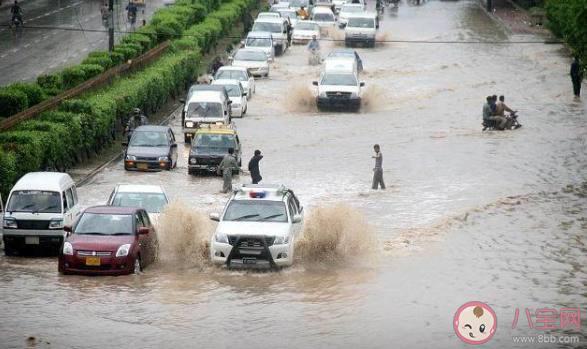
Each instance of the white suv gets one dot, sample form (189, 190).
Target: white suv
(258, 228)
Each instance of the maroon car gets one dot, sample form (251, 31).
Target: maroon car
(109, 240)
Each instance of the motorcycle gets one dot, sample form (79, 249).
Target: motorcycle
(315, 58)
(511, 124)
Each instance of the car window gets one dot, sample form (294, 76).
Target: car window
(290, 208)
(104, 224)
(35, 201)
(294, 204)
(65, 203)
(171, 136)
(69, 196)
(149, 139)
(151, 202)
(139, 221)
(146, 219)
(75, 197)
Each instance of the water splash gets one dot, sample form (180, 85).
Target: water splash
(301, 99)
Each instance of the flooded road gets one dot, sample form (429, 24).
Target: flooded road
(499, 218)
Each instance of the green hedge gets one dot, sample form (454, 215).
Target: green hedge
(12, 102)
(568, 20)
(83, 126)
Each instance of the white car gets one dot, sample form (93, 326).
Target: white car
(152, 198)
(268, 15)
(304, 31)
(261, 41)
(338, 4)
(339, 86)
(324, 17)
(252, 59)
(346, 11)
(290, 14)
(258, 228)
(237, 95)
(278, 29)
(238, 73)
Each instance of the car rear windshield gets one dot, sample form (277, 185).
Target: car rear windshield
(250, 56)
(149, 139)
(34, 201)
(361, 23)
(339, 79)
(233, 90)
(205, 110)
(256, 211)
(298, 3)
(267, 27)
(231, 75)
(347, 55)
(351, 9)
(104, 224)
(259, 42)
(307, 26)
(289, 14)
(211, 140)
(151, 202)
(323, 17)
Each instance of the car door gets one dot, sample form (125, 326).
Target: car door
(151, 238)
(297, 210)
(75, 209)
(173, 145)
(143, 239)
(67, 198)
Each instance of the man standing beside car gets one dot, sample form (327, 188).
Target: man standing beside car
(227, 167)
(254, 167)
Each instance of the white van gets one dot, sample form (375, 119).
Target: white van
(262, 41)
(278, 29)
(39, 206)
(205, 107)
(324, 17)
(361, 29)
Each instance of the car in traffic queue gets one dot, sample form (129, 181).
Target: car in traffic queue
(278, 29)
(151, 148)
(280, 5)
(347, 54)
(290, 14)
(348, 10)
(268, 15)
(237, 95)
(258, 228)
(252, 59)
(109, 240)
(238, 73)
(37, 209)
(210, 146)
(304, 31)
(324, 17)
(339, 86)
(152, 198)
(261, 41)
(211, 105)
(337, 5)
(361, 29)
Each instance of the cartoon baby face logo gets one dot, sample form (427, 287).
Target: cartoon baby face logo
(475, 323)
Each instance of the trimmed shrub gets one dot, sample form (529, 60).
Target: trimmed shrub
(12, 102)
(34, 92)
(8, 172)
(49, 81)
(105, 62)
(91, 70)
(72, 76)
(143, 41)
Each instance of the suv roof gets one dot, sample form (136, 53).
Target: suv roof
(261, 192)
(50, 181)
(264, 35)
(203, 87)
(138, 188)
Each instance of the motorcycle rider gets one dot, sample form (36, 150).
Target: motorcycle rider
(489, 119)
(16, 11)
(303, 13)
(137, 119)
(132, 10)
(313, 45)
(104, 12)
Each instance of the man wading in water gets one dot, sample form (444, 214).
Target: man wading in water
(227, 167)
(378, 169)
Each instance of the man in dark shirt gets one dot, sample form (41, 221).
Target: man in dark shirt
(576, 77)
(16, 13)
(378, 169)
(254, 167)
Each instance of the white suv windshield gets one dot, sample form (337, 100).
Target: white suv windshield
(204, 110)
(323, 17)
(307, 26)
(339, 79)
(256, 211)
(34, 201)
(267, 27)
(250, 56)
(361, 23)
(231, 75)
(259, 42)
(351, 9)
(151, 202)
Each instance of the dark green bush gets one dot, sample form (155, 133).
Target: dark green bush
(12, 102)
(91, 70)
(49, 81)
(568, 20)
(104, 62)
(139, 39)
(34, 92)
(72, 76)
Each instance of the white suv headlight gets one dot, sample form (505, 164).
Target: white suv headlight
(56, 223)
(222, 238)
(123, 250)
(10, 223)
(163, 158)
(67, 248)
(131, 158)
(281, 240)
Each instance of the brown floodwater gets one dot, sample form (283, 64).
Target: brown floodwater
(499, 218)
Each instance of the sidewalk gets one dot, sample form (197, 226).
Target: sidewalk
(515, 19)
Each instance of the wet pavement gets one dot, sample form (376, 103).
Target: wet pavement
(63, 38)
(495, 217)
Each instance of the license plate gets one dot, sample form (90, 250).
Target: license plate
(249, 261)
(143, 166)
(31, 240)
(93, 261)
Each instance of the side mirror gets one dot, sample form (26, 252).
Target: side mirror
(297, 218)
(315, 83)
(67, 228)
(182, 100)
(362, 84)
(215, 216)
(144, 231)
(125, 144)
